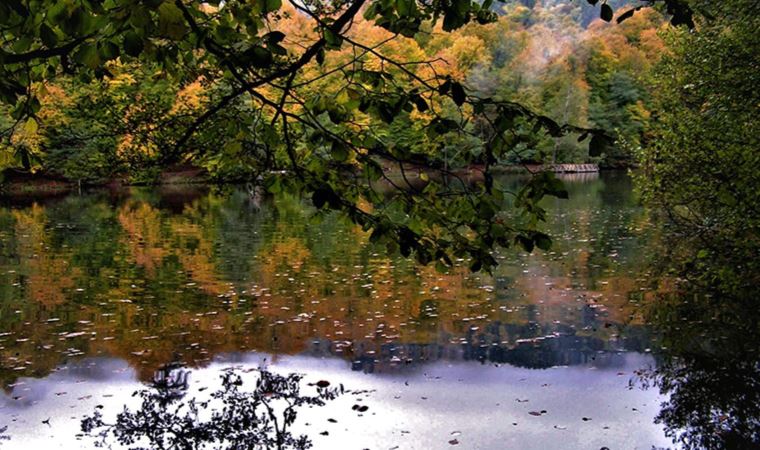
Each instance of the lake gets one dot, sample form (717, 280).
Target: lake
(101, 289)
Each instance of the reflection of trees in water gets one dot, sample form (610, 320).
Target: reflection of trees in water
(147, 277)
(711, 404)
(522, 345)
(709, 365)
(230, 418)
(171, 381)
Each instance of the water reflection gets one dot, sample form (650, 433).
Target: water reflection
(482, 406)
(159, 276)
(708, 324)
(113, 287)
(122, 284)
(235, 416)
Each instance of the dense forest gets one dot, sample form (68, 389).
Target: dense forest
(556, 58)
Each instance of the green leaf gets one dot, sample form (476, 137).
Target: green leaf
(57, 13)
(525, 242)
(452, 21)
(543, 241)
(458, 94)
(606, 13)
(486, 210)
(25, 162)
(277, 49)
(339, 151)
(108, 50)
(271, 6)
(48, 36)
(321, 56)
(171, 23)
(260, 57)
(22, 44)
(35, 105)
(334, 41)
(140, 18)
(420, 103)
(133, 44)
(274, 37)
(405, 7)
(87, 55)
(444, 87)
(75, 23)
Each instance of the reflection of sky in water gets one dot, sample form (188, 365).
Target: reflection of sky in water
(106, 288)
(478, 405)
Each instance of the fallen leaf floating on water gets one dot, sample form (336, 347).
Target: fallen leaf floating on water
(74, 334)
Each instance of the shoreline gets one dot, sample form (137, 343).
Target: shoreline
(15, 183)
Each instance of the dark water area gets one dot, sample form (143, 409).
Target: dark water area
(100, 290)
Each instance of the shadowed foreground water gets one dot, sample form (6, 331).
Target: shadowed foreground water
(98, 291)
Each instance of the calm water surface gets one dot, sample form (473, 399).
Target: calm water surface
(99, 290)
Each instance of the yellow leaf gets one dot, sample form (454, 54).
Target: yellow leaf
(342, 98)
(31, 125)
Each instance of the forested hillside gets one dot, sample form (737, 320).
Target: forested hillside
(555, 57)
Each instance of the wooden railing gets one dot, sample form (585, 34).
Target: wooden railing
(572, 168)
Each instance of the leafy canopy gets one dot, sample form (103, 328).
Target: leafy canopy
(326, 144)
